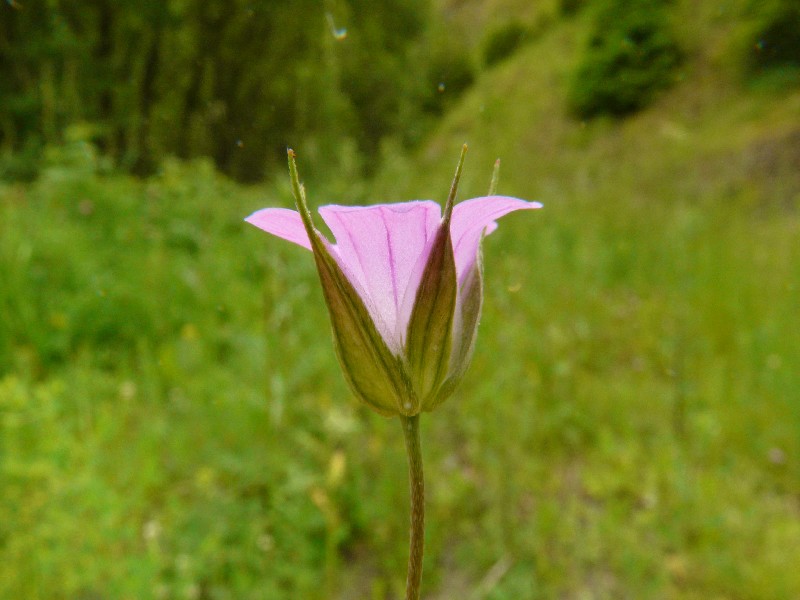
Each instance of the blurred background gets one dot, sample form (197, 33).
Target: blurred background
(173, 423)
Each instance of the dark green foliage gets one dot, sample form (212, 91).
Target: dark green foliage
(378, 70)
(504, 41)
(570, 7)
(774, 43)
(237, 81)
(22, 165)
(631, 55)
(450, 74)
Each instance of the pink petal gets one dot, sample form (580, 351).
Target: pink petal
(471, 218)
(282, 222)
(380, 245)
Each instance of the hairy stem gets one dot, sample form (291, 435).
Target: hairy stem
(417, 484)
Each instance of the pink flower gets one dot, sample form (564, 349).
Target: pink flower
(404, 287)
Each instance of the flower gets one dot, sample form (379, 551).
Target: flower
(404, 288)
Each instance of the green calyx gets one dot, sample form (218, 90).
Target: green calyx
(374, 373)
(432, 360)
(429, 338)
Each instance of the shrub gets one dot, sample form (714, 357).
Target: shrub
(24, 164)
(631, 55)
(570, 7)
(504, 41)
(774, 43)
(449, 74)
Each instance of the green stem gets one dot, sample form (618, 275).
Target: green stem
(417, 483)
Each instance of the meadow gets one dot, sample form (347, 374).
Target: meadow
(173, 422)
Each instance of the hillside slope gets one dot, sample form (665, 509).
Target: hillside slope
(635, 360)
(712, 126)
(173, 423)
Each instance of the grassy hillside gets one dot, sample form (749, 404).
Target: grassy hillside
(173, 423)
(638, 356)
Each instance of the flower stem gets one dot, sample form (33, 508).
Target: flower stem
(417, 484)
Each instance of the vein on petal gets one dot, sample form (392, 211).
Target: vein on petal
(392, 269)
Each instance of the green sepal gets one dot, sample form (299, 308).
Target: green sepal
(376, 376)
(429, 338)
(495, 178)
(430, 329)
(471, 295)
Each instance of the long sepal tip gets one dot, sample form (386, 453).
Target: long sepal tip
(299, 193)
(495, 178)
(451, 197)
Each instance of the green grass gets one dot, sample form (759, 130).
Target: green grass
(173, 423)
